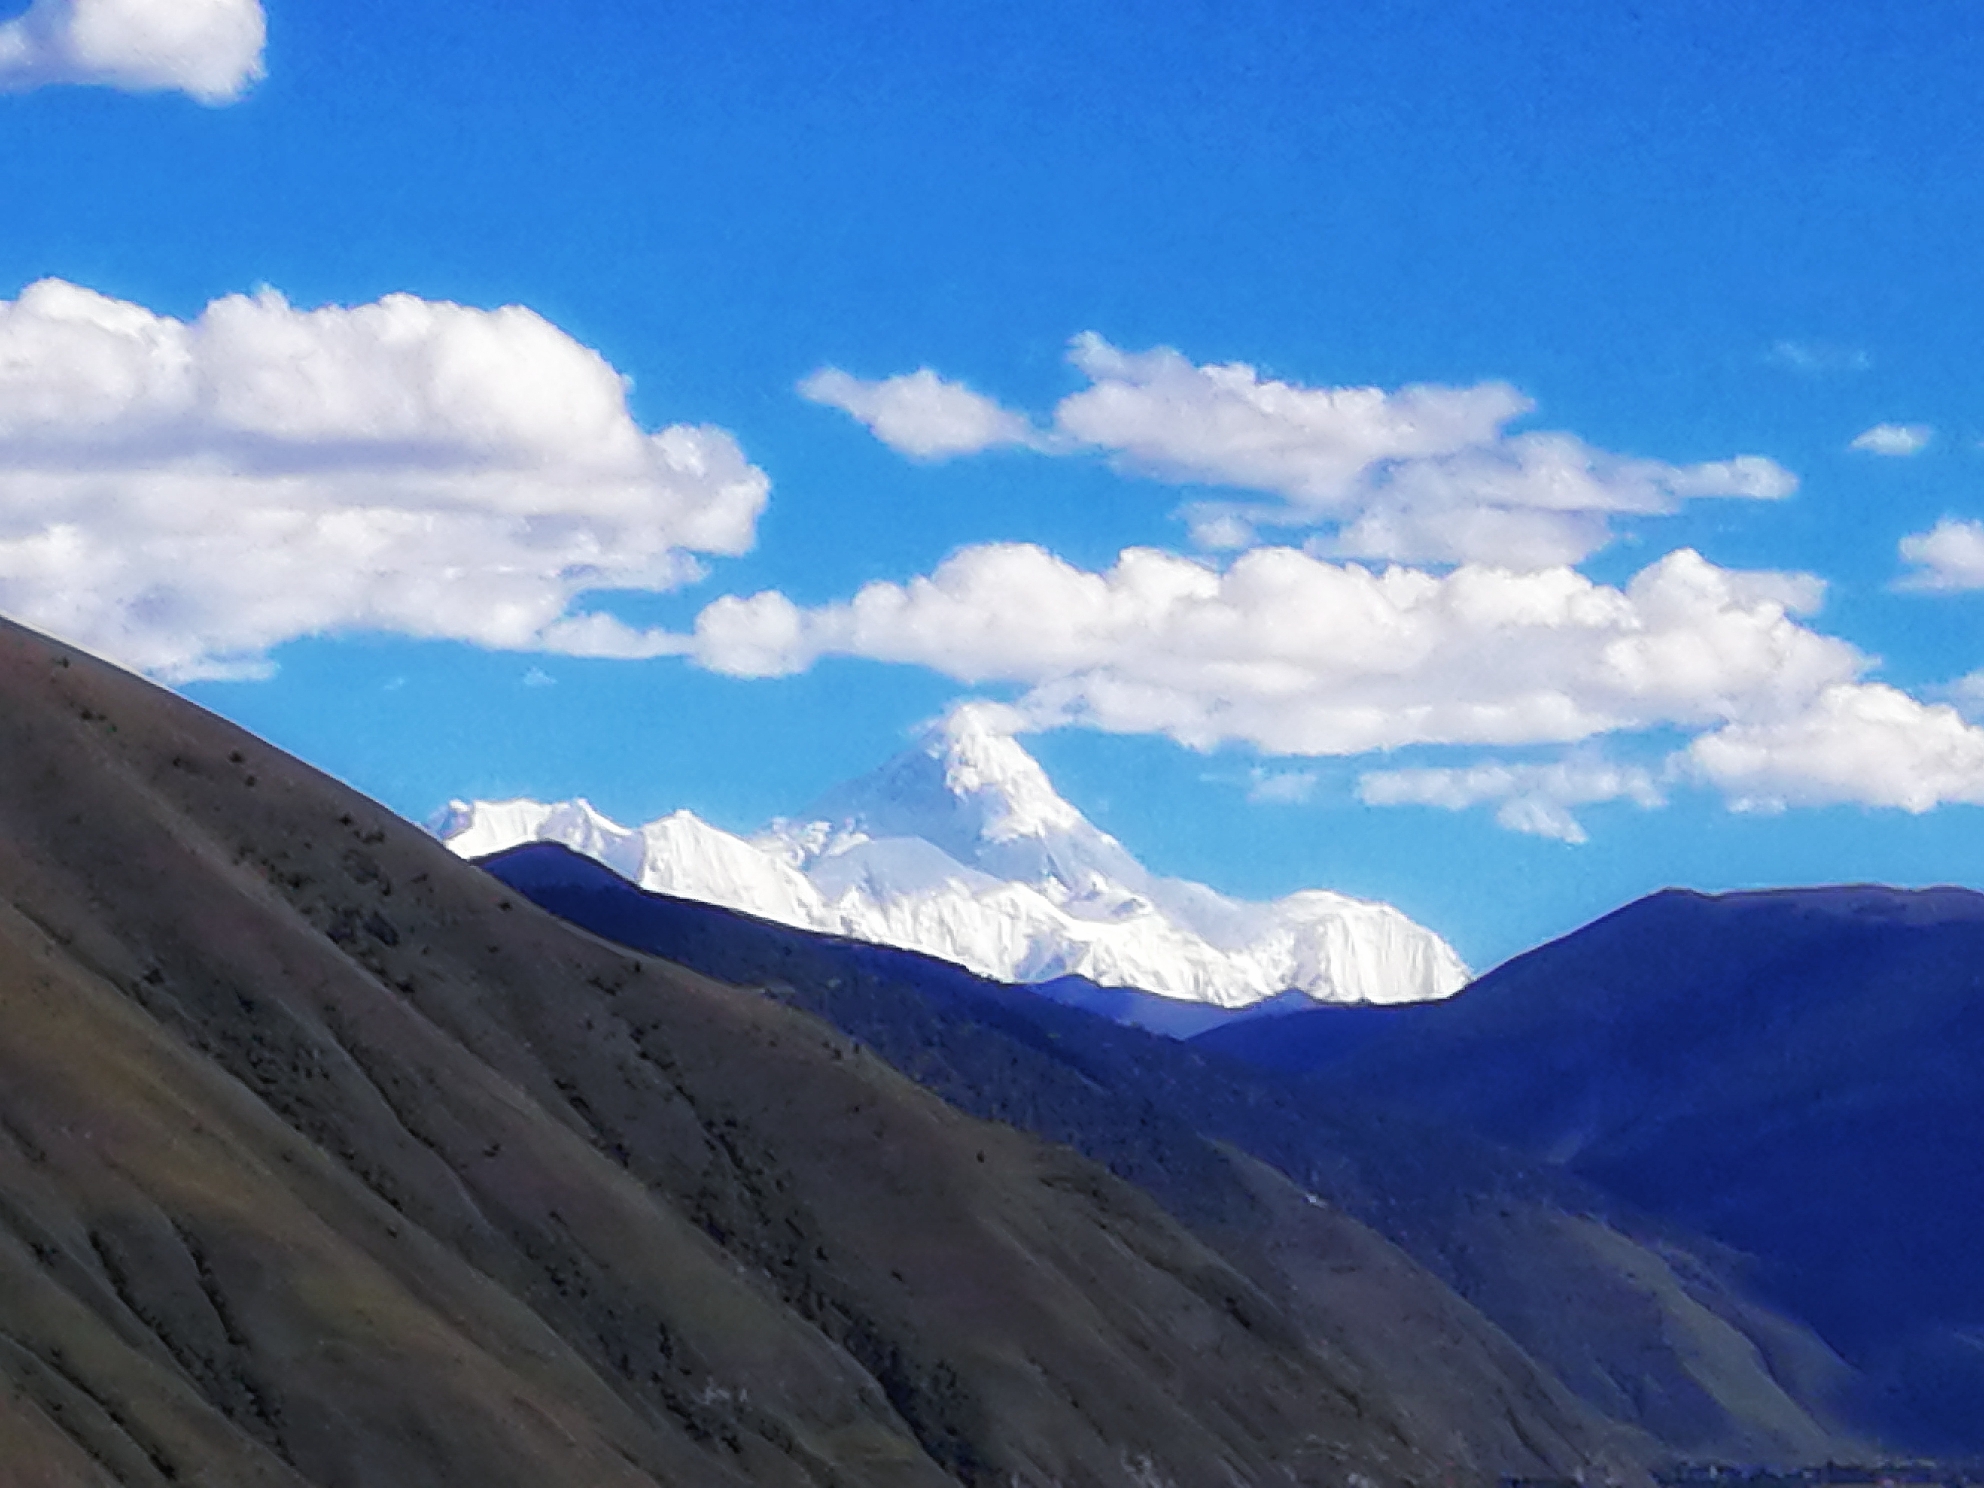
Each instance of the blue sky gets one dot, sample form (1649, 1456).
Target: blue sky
(1654, 269)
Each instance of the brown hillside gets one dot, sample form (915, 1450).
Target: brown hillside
(323, 1161)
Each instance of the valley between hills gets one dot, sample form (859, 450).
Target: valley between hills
(328, 1158)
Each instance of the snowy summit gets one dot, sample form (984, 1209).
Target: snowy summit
(962, 848)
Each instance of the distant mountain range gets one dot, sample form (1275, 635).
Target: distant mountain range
(962, 848)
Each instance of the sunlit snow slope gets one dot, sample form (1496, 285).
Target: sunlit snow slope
(961, 847)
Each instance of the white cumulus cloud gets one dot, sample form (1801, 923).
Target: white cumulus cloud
(1226, 425)
(1341, 640)
(1894, 439)
(1297, 655)
(185, 495)
(1859, 743)
(1422, 473)
(1531, 798)
(1947, 558)
(211, 49)
(919, 413)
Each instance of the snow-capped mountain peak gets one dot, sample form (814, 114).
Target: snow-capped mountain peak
(1005, 785)
(476, 828)
(961, 847)
(969, 787)
(965, 785)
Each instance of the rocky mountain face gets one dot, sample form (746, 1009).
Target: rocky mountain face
(962, 848)
(1524, 1318)
(326, 1159)
(1792, 1072)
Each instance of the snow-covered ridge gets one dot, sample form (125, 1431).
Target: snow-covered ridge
(962, 848)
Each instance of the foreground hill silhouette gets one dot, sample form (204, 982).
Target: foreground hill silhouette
(325, 1159)
(1508, 1307)
(1793, 1071)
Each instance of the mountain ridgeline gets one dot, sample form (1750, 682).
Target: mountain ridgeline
(326, 1159)
(1793, 1072)
(1520, 1312)
(961, 847)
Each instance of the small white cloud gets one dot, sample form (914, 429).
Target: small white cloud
(185, 496)
(606, 637)
(1529, 798)
(1899, 440)
(1299, 656)
(919, 413)
(1538, 816)
(539, 677)
(1861, 743)
(1967, 694)
(1746, 477)
(1948, 558)
(1220, 530)
(211, 49)
(1281, 787)
(1817, 358)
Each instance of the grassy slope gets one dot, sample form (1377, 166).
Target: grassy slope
(324, 1161)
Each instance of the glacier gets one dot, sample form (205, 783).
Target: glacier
(961, 847)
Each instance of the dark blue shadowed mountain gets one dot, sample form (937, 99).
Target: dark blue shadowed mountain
(1637, 1316)
(1304, 1040)
(1796, 1073)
